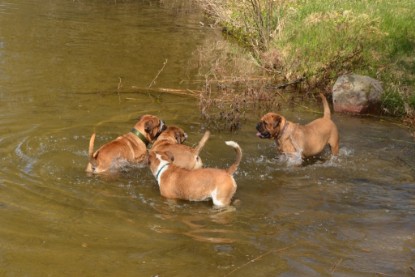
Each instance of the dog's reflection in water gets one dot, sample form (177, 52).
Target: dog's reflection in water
(203, 224)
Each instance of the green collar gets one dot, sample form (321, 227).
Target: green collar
(140, 136)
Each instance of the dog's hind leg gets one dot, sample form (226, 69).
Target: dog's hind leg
(222, 198)
(217, 201)
(334, 144)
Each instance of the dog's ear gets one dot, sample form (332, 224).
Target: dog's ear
(148, 126)
(170, 156)
(277, 121)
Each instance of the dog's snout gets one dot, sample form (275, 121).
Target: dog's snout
(262, 130)
(259, 126)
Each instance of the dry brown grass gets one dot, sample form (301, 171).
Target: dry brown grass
(223, 60)
(224, 107)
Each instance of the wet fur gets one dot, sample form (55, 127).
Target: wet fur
(172, 139)
(306, 140)
(198, 184)
(126, 149)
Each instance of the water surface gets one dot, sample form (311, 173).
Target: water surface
(61, 63)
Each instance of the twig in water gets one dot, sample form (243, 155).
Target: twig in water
(154, 80)
(299, 80)
(118, 89)
(257, 258)
(235, 79)
(119, 84)
(185, 92)
(333, 268)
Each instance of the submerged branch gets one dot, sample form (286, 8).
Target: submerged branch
(158, 73)
(236, 79)
(257, 258)
(295, 82)
(182, 92)
(334, 267)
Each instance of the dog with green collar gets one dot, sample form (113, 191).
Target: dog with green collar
(128, 149)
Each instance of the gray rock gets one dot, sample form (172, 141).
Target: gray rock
(357, 94)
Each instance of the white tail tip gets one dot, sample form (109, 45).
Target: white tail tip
(232, 143)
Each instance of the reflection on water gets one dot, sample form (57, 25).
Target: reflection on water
(60, 66)
(206, 225)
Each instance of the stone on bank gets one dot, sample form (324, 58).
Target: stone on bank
(357, 94)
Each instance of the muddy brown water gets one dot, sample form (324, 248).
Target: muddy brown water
(60, 64)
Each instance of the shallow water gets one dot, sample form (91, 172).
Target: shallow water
(60, 67)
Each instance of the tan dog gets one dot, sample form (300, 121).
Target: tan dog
(130, 148)
(306, 140)
(184, 156)
(198, 184)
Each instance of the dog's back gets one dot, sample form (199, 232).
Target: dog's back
(195, 185)
(102, 159)
(319, 132)
(184, 156)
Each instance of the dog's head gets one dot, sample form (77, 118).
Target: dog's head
(173, 133)
(151, 125)
(270, 126)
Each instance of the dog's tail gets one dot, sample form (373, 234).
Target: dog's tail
(91, 147)
(92, 162)
(326, 107)
(231, 170)
(202, 142)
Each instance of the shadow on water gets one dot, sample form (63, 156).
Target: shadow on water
(352, 216)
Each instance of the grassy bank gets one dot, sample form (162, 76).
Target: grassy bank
(318, 40)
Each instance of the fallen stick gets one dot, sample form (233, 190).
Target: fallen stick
(299, 80)
(154, 80)
(186, 92)
(334, 267)
(257, 258)
(232, 80)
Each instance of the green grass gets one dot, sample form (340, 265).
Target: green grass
(384, 32)
(325, 38)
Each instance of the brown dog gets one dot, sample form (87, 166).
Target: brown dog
(198, 184)
(184, 156)
(307, 140)
(130, 148)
